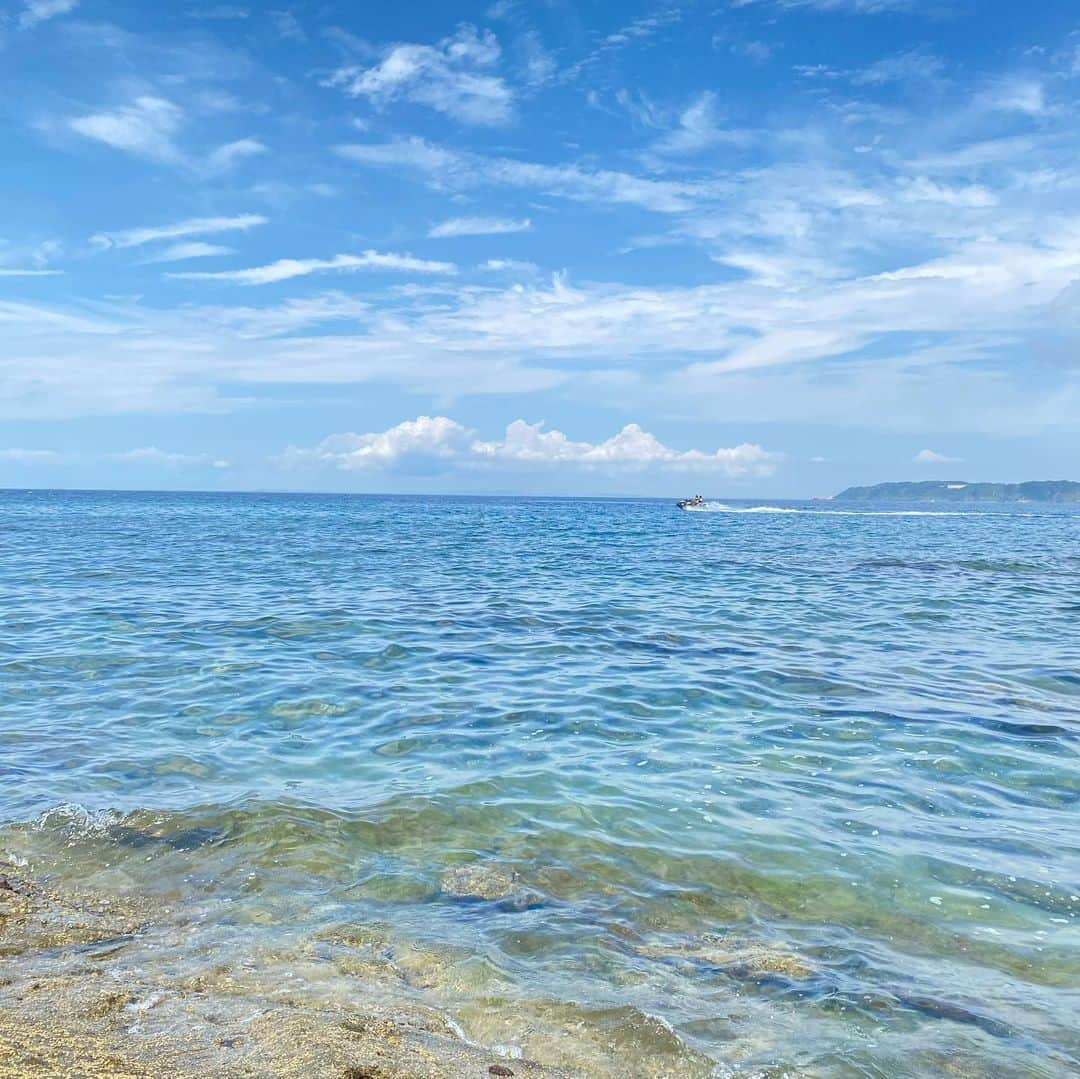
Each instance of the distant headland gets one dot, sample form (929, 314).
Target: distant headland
(961, 491)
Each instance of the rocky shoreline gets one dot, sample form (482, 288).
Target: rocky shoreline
(63, 1012)
(73, 1002)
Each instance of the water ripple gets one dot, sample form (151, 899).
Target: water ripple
(776, 790)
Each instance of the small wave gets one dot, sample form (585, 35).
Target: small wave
(78, 820)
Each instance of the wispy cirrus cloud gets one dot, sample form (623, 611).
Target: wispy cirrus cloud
(916, 65)
(432, 443)
(284, 269)
(697, 129)
(225, 157)
(146, 128)
(638, 31)
(851, 7)
(449, 168)
(511, 266)
(1017, 94)
(288, 26)
(143, 455)
(19, 456)
(152, 455)
(16, 271)
(38, 11)
(479, 226)
(452, 77)
(219, 12)
(194, 249)
(192, 226)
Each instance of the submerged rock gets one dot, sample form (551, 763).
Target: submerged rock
(479, 880)
(742, 957)
(33, 918)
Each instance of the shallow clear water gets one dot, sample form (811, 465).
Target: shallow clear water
(795, 790)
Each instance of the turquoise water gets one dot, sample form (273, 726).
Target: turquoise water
(793, 788)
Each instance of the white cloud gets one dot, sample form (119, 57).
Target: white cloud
(14, 271)
(37, 11)
(914, 65)
(151, 455)
(518, 266)
(144, 128)
(853, 7)
(632, 447)
(538, 64)
(191, 250)
(30, 457)
(451, 77)
(439, 442)
(921, 189)
(288, 26)
(932, 457)
(221, 11)
(426, 437)
(446, 168)
(696, 130)
(194, 226)
(255, 323)
(479, 226)
(284, 269)
(757, 52)
(645, 26)
(225, 157)
(1023, 95)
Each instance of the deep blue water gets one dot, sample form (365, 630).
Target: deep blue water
(798, 784)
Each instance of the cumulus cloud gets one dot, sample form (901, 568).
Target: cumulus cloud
(283, 269)
(478, 226)
(452, 77)
(932, 457)
(440, 443)
(144, 128)
(194, 226)
(37, 11)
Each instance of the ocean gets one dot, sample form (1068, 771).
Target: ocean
(552, 786)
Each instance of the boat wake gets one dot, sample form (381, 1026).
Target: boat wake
(723, 507)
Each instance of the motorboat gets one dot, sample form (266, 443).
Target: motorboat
(695, 503)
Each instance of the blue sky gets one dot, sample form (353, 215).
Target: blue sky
(748, 247)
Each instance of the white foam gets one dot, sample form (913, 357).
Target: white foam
(78, 820)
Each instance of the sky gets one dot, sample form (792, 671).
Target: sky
(752, 248)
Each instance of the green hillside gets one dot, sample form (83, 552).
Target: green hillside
(962, 491)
